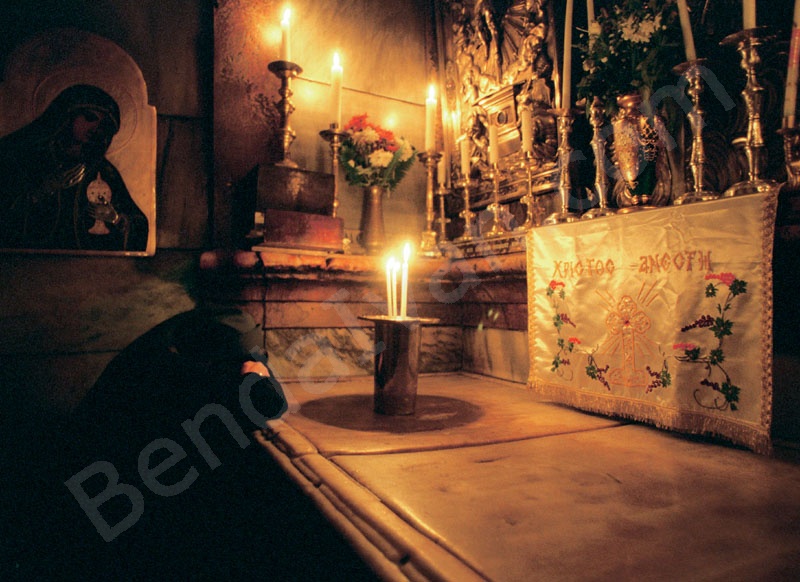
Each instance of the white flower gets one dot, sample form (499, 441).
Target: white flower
(404, 149)
(367, 135)
(380, 158)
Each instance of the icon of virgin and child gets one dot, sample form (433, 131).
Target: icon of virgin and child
(57, 188)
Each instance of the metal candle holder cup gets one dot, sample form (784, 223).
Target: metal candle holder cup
(565, 118)
(285, 71)
(747, 43)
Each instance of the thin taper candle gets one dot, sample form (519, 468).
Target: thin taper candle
(686, 28)
(749, 14)
(430, 118)
(494, 155)
(526, 121)
(286, 50)
(566, 91)
(465, 161)
(336, 90)
(790, 100)
(395, 267)
(389, 268)
(404, 281)
(590, 11)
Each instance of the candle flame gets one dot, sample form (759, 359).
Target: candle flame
(431, 92)
(406, 252)
(287, 14)
(336, 62)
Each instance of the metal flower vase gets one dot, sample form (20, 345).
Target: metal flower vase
(639, 156)
(373, 232)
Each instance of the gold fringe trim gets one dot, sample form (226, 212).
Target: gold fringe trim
(754, 438)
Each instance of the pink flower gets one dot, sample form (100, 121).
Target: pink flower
(724, 278)
(683, 346)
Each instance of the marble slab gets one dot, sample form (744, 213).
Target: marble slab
(453, 410)
(629, 503)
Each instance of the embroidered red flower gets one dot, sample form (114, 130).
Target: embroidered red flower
(683, 346)
(573, 340)
(724, 278)
(556, 284)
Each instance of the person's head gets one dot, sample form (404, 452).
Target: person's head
(88, 118)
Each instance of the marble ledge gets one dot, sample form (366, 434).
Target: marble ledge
(291, 263)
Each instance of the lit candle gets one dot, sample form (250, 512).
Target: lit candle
(686, 28)
(286, 51)
(494, 156)
(749, 13)
(526, 120)
(465, 157)
(389, 302)
(404, 281)
(395, 267)
(336, 90)
(566, 91)
(430, 118)
(790, 101)
(590, 11)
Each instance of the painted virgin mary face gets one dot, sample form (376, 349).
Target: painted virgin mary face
(92, 132)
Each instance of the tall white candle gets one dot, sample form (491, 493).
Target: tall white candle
(494, 155)
(395, 267)
(465, 161)
(590, 11)
(286, 49)
(566, 91)
(790, 101)
(404, 281)
(686, 28)
(430, 118)
(336, 91)
(526, 121)
(749, 13)
(389, 268)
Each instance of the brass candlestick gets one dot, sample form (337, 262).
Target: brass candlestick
(442, 220)
(466, 214)
(597, 119)
(285, 71)
(334, 138)
(565, 118)
(532, 209)
(427, 246)
(747, 43)
(692, 70)
(497, 228)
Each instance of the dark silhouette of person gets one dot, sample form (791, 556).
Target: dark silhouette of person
(57, 188)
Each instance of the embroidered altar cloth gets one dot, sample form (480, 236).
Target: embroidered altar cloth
(661, 315)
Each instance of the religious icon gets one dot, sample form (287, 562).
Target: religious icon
(58, 190)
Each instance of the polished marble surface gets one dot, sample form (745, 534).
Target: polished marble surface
(489, 482)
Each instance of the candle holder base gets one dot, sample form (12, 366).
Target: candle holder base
(427, 245)
(750, 187)
(692, 197)
(597, 212)
(561, 218)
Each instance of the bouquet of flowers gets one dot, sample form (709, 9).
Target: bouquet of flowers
(373, 156)
(632, 47)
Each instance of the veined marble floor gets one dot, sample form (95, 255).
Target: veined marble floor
(487, 481)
